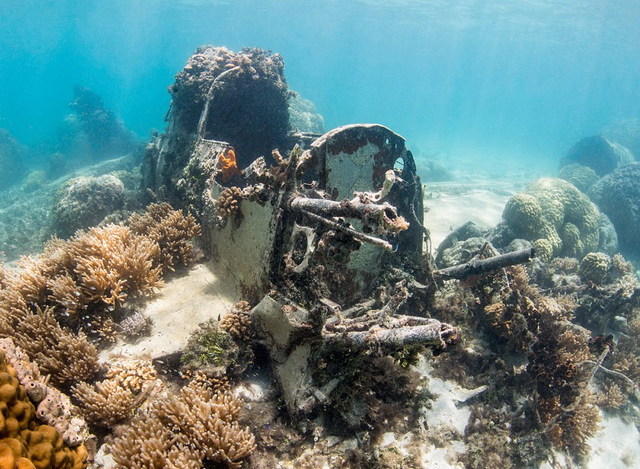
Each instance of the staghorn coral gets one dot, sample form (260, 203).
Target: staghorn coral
(112, 262)
(556, 217)
(66, 356)
(29, 280)
(171, 230)
(518, 317)
(24, 443)
(574, 427)
(197, 424)
(132, 374)
(106, 403)
(612, 396)
(116, 398)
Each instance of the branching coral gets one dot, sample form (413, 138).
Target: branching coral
(228, 204)
(171, 230)
(237, 322)
(115, 399)
(518, 317)
(196, 424)
(66, 356)
(112, 262)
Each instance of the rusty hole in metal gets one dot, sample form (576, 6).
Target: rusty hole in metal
(300, 247)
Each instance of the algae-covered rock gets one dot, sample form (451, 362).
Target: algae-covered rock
(554, 215)
(84, 202)
(248, 99)
(460, 252)
(618, 195)
(598, 153)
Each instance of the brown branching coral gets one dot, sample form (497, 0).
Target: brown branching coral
(113, 262)
(66, 356)
(171, 230)
(228, 204)
(237, 322)
(115, 399)
(106, 403)
(574, 427)
(197, 423)
(29, 280)
(612, 396)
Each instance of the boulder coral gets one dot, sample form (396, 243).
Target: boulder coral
(85, 201)
(599, 153)
(618, 195)
(580, 176)
(558, 218)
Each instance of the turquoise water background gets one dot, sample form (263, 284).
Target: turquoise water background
(489, 81)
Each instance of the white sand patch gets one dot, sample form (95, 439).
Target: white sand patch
(182, 304)
(448, 412)
(615, 446)
(449, 205)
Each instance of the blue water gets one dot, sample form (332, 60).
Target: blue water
(521, 80)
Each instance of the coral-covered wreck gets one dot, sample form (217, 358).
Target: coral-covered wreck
(346, 345)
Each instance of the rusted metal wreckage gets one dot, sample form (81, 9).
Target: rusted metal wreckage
(326, 239)
(329, 244)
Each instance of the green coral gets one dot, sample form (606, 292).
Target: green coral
(556, 216)
(595, 267)
(580, 176)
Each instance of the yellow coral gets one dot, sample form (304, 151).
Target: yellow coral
(23, 444)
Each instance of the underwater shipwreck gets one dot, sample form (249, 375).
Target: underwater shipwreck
(313, 324)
